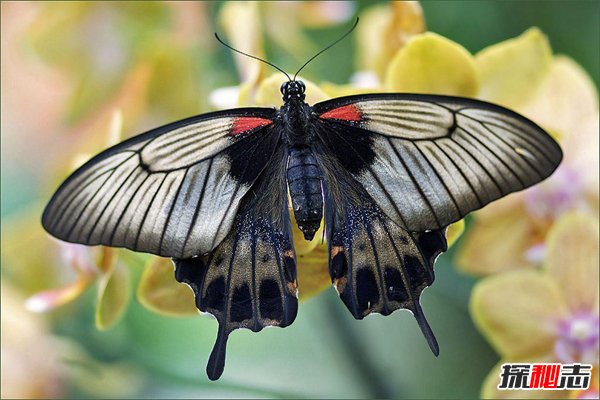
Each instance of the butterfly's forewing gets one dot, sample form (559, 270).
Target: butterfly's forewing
(173, 191)
(428, 160)
(249, 280)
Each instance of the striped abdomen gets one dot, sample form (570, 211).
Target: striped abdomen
(304, 181)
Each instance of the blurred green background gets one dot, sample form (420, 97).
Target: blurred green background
(59, 71)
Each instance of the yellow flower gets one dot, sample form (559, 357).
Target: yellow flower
(383, 30)
(546, 315)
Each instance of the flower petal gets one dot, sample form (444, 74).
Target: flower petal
(313, 272)
(287, 32)
(312, 262)
(319, 14)
(107, 259)
(430, 63)
(301, 245)
(50, 299)
(517, 311)
(566, 99)
(333, 90)
(581, 150)
(113, 296)
(568, 104)
(159, 292)
(512, 71)
(246, 36)
(572, 259)
(22, 232)
(249, 37)
(455, 231)
(229, 97)
(495, 243)
(383, 30)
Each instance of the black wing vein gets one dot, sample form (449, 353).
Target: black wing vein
(413, 179)
(137, 236)
(440, 178)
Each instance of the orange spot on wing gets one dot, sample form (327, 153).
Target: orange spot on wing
(288, 253)
(340, 284)
(335, 250)
(244, 124)
(346, 113)
(293, 288)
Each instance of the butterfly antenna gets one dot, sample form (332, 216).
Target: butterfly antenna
(327, 48)
(251, 56)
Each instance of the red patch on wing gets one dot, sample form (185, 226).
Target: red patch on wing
(346, 113)
(244, 124)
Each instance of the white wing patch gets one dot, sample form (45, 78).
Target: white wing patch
(182, 147)
(418, 120)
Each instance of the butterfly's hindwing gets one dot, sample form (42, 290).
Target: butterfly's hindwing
(378, 267)
(173, 191)
(249, 280)
(375, 265)
(429, 160)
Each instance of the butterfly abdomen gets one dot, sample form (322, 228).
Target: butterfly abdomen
(304, 182)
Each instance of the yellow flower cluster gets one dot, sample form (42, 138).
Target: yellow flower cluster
(548, 314)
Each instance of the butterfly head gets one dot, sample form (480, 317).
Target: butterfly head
(293, 90)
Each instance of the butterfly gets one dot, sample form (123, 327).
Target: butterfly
(385, 173)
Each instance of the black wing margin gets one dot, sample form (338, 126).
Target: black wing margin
(173, 191)
(429, 160)
(249, 280)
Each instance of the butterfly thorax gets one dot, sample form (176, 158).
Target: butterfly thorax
(296, 118)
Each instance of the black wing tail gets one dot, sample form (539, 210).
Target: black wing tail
(249, 280)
